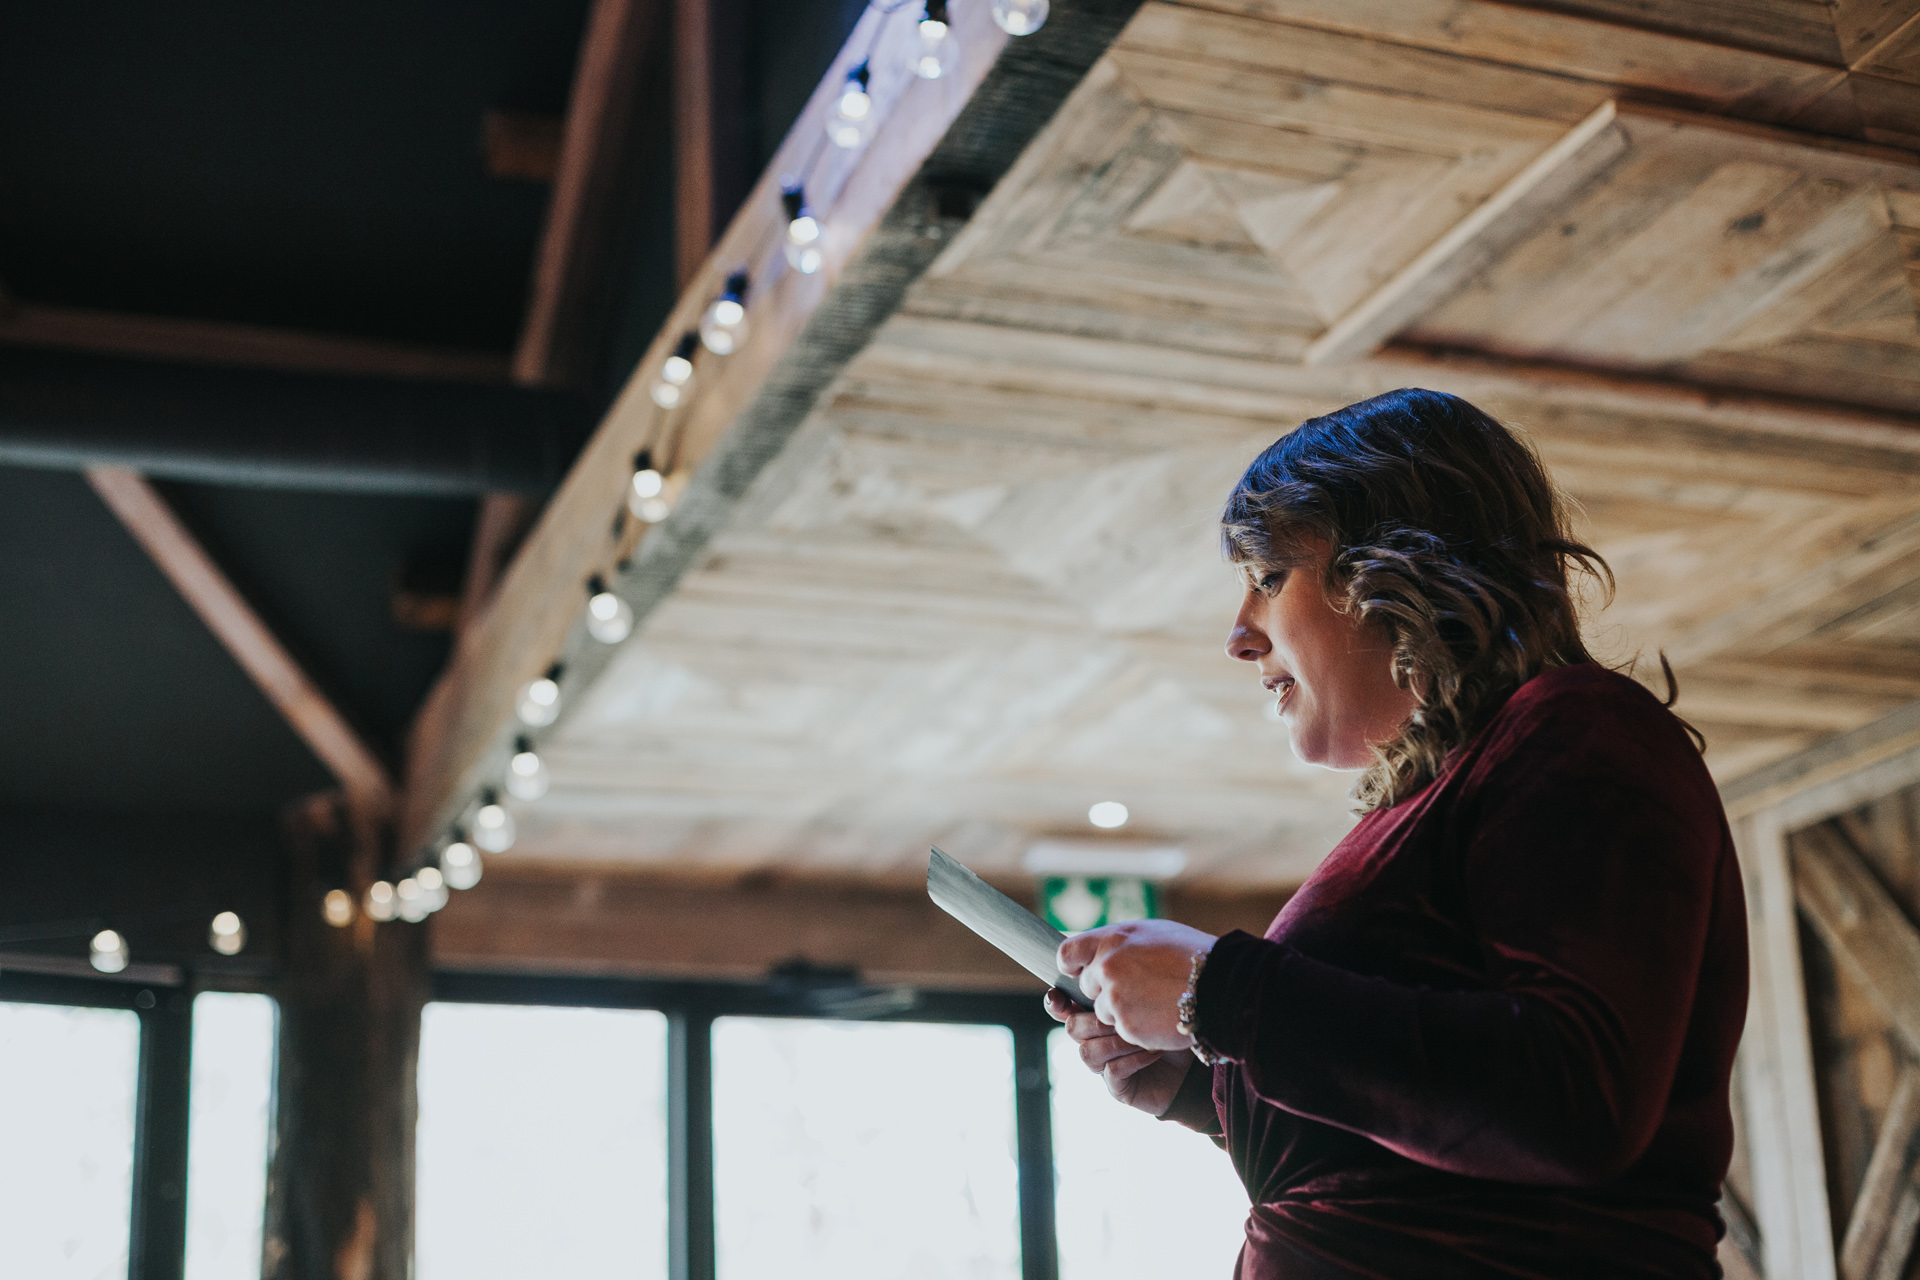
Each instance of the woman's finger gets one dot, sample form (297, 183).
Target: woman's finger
(1082, 1025)
(1130, 1064)
(1098, 1053)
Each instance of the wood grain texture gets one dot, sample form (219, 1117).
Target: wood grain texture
(1885, 1214)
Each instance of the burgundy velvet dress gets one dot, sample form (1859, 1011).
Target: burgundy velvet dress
(1492, 1035)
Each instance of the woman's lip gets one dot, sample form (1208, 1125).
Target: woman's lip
(1284, 687)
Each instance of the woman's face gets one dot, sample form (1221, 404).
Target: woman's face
(1333, 677)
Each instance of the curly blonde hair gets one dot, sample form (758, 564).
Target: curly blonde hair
(1446, 533)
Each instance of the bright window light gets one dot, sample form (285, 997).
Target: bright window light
(229, 1120)
(66, 1130)
(864, 1151)
(542, 1146)
(1138, 1198)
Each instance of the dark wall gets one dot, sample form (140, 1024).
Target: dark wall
(159, 878)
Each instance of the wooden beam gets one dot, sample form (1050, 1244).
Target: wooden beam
(1475, 242)
(1886, 1214)
(497, 529)
(693, 137)
(227, 614)
(1776, 1068)
(530, 917)
(885, 222)
(580, 214)
(240, 345)
(1862, 925)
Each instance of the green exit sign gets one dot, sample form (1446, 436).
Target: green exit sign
(1073, 903)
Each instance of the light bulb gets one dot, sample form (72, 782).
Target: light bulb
(1020, 17)
(108, 951)
(433, 887)
(646, 496)
(609, 618)
(526, 773)
(806, 259)
(803, 233)
(723, 326)
(493, 828)
(337, 908)
(539, 702)
(852, 116)
(411, 899)
(460, 864)
(1108, 814)
(936, 53)
(675, 382)
(227, 934)
(380, 904)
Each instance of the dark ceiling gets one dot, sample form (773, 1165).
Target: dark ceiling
(311, 167)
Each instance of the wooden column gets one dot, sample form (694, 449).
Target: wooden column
(340, 1193)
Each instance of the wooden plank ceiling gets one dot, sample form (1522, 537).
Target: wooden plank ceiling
(980, 589)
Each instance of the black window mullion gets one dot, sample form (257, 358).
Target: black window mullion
(158, 1244)
(690, 1235)
(1033, 1123)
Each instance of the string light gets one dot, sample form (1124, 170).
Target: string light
(227, 934)
(433, 885)
(493, 828)
(646, 497)
(803, 232)
(852, 118)
(675, 382)
(108, 951)
(1020, 17)
(609, 618)
(460, 864)
(936, 53)
(538, 704)
(1108, 814)
(526, 773)
(379, 905)
(723, 326)
(337, 908)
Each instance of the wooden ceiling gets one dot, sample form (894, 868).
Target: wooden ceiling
(980, 588)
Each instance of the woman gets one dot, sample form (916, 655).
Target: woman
(1492, 1034)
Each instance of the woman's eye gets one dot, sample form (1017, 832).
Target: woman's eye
(1271, 582)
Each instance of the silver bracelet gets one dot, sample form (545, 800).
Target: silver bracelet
(1188, 1012)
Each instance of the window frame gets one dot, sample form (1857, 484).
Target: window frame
(691, 1008)
(157, 1236)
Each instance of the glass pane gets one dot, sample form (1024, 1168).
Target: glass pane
(1137, 1197)
(67, 1079)
(542, 1146)
(848, 1150)
(228, 1123)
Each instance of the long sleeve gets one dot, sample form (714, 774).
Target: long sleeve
(1192, 1105)
(1589, 865)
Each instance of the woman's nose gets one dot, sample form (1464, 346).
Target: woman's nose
(1246, 642)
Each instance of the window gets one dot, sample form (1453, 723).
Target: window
(67, 1085)
(229, 1118)
(1137, 1197)
(542, 1146)
(849, 1150)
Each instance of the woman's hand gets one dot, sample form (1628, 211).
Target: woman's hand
(1145, 1079)
(1135, 974)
